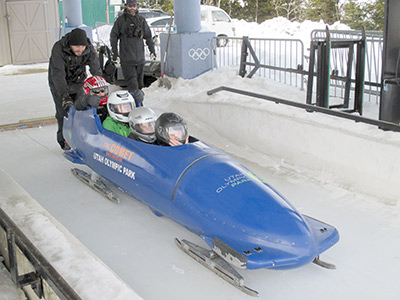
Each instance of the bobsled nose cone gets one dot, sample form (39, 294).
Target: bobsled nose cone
(295, 244)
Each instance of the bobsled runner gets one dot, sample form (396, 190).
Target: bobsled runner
(245, 222)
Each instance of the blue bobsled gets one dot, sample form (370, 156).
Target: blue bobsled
(243, 219)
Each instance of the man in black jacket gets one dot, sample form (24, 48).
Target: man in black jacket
(67, 72)
(130, 29)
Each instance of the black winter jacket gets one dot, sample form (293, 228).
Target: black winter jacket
(130, 30)
(67, 72)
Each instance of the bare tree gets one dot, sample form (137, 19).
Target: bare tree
(290, 8)
(256, 11)
(208, 2)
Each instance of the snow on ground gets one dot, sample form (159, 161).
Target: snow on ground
(64, 252)
(274, 141)
(139, 247)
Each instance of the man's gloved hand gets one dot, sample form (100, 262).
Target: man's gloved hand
(153, 56)
(93, 100)
(66, 102)
(115, 57)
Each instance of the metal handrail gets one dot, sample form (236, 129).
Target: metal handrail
(277, 59)
(311, 108)
(15, 237)
(373, 59)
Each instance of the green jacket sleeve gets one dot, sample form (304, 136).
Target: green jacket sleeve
(117, 127)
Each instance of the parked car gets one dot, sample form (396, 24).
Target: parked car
(148, 13)
(152, 13)
(213, 18)
(159, 25)
(218, 21)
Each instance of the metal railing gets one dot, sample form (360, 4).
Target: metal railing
(311, 108)
(338, 63)
(43, 269)
(279, 59)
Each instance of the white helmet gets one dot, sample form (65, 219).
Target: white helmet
(142, 122)
(119, 105)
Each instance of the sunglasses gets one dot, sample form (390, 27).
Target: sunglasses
(132, 5)
(98, 91)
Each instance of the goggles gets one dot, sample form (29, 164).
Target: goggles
(96, 92)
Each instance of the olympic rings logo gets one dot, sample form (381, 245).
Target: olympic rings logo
(199, 53)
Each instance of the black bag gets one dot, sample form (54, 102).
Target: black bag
(109, 68)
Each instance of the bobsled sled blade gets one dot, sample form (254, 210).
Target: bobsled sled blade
(231, 255)
(215, 263)
(95, 183)
(323, 264)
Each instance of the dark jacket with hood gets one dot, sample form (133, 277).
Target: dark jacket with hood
(130, 30)
(67, 72)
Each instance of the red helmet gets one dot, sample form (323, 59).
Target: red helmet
(95, 85)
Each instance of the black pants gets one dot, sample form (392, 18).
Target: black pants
(60, 114)
(134, 78)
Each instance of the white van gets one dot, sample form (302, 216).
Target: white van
(218, 21)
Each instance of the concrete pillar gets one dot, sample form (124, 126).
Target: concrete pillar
(189, 50)
(187, 16)
(73, 11)
(389, 109)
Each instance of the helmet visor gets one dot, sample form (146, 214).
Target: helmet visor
(122, 108)
(145, 128)
(177, 132)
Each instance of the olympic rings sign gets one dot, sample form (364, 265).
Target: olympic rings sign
(199, 53)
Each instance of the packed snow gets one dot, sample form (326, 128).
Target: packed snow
(339, 171)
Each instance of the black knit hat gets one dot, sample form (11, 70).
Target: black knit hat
(77, 37)
(131, 2)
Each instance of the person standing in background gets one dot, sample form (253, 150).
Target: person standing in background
(130, 29)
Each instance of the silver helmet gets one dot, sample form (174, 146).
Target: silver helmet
(119, 105)
(142, 122)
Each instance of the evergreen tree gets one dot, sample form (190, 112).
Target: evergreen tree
(233, 8)
(325, 10)
(370, 15)
(353, 15)
(376, 15)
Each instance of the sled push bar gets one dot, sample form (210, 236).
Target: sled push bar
(311, 108)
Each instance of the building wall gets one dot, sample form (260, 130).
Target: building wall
(94, 10)
(5, 53)
(20, 40)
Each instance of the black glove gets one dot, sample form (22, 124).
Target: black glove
(66, 101)
(115, 57)
(93, 100)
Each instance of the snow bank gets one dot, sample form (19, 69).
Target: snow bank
(282, 28)
(279, 27)
(355, 156)
(76, 264)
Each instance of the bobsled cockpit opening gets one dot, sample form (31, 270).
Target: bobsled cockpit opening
(97, 120)
(192, 139)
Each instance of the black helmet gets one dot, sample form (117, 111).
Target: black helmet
(168, 125)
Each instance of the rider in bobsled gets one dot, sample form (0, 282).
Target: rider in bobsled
(142, 123)
(119, 105)
(95, 87)
(95, 93)
(171, 130)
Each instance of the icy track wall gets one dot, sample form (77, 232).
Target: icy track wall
(355, 156)
(90, 278)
